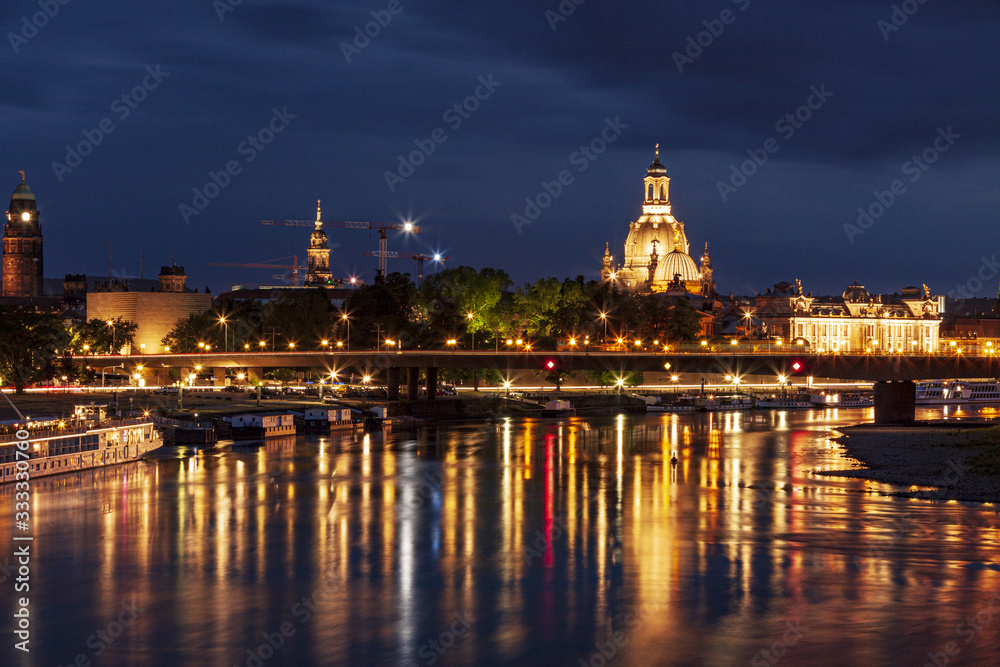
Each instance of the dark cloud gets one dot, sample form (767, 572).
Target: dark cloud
(607, 60)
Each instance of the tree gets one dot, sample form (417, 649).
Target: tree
(683, 324)
(29, 341)
(193, 329)
(383, 309)
(103, 336)
(460, 301)
(304, 317)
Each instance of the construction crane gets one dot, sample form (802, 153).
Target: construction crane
(382, 228)
(294, 268)
(418, 258)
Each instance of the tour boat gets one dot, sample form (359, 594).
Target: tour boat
(841, 400)
(89, 440)
(956, 392)
(730, 402)
(791, 402)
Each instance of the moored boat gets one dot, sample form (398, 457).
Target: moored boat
(89, 440)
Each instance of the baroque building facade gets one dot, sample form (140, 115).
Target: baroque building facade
(657, 250)
(22, 246)
(857, 322)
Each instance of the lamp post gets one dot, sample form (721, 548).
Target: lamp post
(604, 341)
(111, 324)
(471, 317)
(225, 333)
(348, 320)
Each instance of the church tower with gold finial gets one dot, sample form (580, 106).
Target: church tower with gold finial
(319, 254)
(22, 245)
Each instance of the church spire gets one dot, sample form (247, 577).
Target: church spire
(319, 220)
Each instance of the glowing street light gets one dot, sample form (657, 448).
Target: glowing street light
(345, 318)
(225, 340)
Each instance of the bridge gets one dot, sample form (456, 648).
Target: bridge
(893, 374)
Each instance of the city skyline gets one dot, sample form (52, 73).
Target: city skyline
(852, 105)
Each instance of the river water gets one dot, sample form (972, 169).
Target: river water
(531, 542)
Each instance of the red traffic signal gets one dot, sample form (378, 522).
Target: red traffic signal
(550, 364)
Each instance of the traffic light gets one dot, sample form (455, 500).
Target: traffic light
(797, 367)
(550, 364)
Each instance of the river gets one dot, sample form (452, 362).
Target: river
(531, 542)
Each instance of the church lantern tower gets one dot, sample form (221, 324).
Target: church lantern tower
(22, 245)
(319, 255)
(707, 281)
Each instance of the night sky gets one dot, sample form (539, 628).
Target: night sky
(554, 83)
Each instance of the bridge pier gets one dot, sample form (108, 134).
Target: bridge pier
(392, 382)
(413, 383)
(432, 383)
(895, 402)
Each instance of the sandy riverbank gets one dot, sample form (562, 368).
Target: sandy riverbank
(958, 462)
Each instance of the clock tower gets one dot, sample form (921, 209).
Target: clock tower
(22, 246)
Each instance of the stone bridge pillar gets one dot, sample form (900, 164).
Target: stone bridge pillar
(895, 402)
(432, 383)
(412, 383)
(392, 382)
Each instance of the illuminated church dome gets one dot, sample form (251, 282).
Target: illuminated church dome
(657, 248)
(674, 264)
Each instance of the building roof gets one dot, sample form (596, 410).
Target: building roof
(676, 263)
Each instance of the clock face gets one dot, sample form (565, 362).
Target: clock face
(26, 216)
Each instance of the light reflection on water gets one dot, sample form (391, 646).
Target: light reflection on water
(530, 541)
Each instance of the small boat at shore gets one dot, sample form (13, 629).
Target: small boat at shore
(558, 409)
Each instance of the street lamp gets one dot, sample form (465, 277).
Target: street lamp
(291, 345)
(604, 316)
(348, 320)
(225, 340)
(471, 317)
(263, 344)
(111, 324)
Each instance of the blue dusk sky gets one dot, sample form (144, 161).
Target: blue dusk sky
(180, 125)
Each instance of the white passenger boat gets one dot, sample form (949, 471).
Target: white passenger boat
(957, 392)
(834, 399)
(792, 402)
(90, 440)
